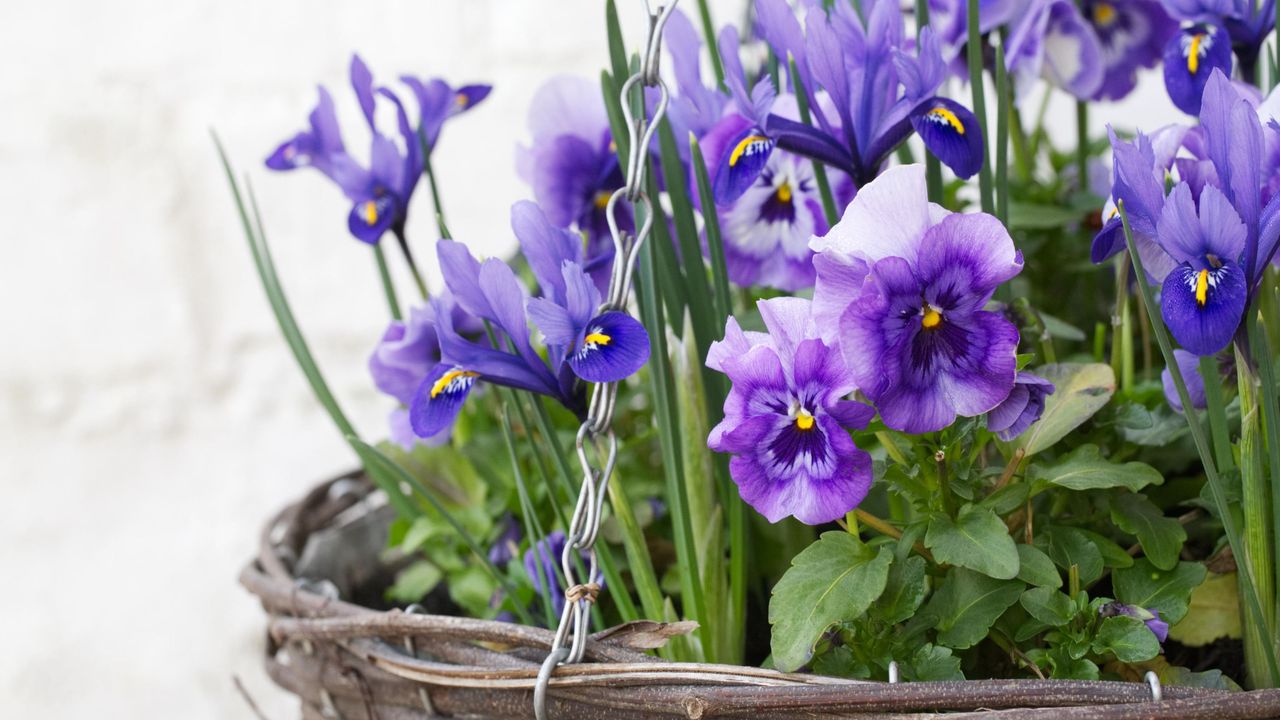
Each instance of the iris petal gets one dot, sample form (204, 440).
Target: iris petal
(439, 399)
(1203, 328)
(371, 217)
(951, 133)
(1190, 58)
(746, 156)
(614, 346)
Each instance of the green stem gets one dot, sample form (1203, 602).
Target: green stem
(1255, 504)
(430, 172)
(709, 32)
(819, 170)
(1082, 144)
(932, 166)
(1002, 135)
(1216, 409)
(413, 265)
(977, 84)
(388, 287)
(1118, 317)
(1217, 486)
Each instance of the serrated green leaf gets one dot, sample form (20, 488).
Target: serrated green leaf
(1068, 546)
(976, 539)
(1080, 390)
(1168, 591)
(932, 662)
(903, 592)
(1049, 606)
(967, 605)
(833, 580)
(1085, 469)
(1161, 537)
(1035, 567)
(1128, 638)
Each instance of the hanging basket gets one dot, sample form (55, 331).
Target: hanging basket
(345, 660)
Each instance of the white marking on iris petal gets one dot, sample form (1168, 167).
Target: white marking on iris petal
(453, 382)
(594, 340)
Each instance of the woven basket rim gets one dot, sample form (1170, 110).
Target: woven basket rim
(346, 660)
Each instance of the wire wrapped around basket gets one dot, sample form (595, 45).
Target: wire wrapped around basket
(347, 661)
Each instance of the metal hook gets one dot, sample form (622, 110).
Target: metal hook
(894, 676)
(1153, 682)
(544, 680)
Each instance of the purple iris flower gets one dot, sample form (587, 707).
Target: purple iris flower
(1131, 34)
(1151, 618)
(1022, 408)
(1051, 39)
(571, 164)
(540, 563)
(506, 547)
(1247, 23)
(379, 193)
(1190, 57)
(1212, 227)
(878, 95)
(950, 20)
(582, 342)
(402, 359)
(914, 333)
(1189, 367)
(786, 420)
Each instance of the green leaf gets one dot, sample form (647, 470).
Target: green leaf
(1049, 606)
(977, 539)
(1085, 469)
(414, 582)
(1067, 546)
(967, 605)
(1028, 216)
(1113, 555)
(1161, 537)
(1035, 567)
(1080, 391)
(903, 592)
(1214, 612)
(931, 662)
(1128, 638)
(833, 580)
(1168, 591)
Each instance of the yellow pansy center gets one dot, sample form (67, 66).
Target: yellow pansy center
(804, 421)
(941, 114)
(930, 317)
(1202, 288)
(783, 193)
(450, 378)
(743, 146)
(370, 211)
(601, 199)
(1104, 14)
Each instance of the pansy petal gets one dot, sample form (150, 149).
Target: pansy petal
(1190, 57)
(851, 414)
(440, 398)
(747, 155)
(614, 347)
(565, 170)
(887, 218)
(951, 133)
(1203, 307)
(978, 243)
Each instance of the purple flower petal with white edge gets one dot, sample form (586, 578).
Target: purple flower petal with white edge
(1189, 368)
(613, 347)
(951, 133)
(1022, 408)
(1190, 57)
(440, 398)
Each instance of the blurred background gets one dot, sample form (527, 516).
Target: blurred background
(151, 418)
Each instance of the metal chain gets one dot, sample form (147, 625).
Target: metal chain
(571, 636)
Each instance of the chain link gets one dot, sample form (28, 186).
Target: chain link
(596, 431)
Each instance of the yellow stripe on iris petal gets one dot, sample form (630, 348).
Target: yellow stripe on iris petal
(598, 338)
(744, 145)
(370, 212)
(449, 378)
(1202, 288)
(1193, 53)
(944, 115)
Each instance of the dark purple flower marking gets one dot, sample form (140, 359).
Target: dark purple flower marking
(1022, 408)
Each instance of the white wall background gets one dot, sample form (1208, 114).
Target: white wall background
(150, 417)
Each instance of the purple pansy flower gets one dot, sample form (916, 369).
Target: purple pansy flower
(1131, 34)
(878, 94)
(1212, 229)
(1151, 618)
(786, 419)
(583, 342)
(1022, 408)
(1189, 368)
(571, 164)
(914, 333)
(379, 193)
(1190, 57)
(1051, 39)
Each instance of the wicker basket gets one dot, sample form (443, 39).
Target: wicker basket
(347, 661)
